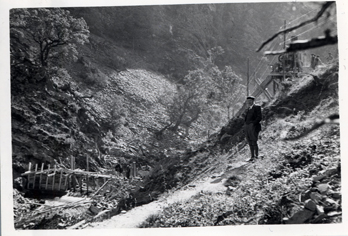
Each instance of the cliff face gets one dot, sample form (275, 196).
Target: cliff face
(89, 110)
(49, 125)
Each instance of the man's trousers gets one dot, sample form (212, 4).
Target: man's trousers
(252, 137)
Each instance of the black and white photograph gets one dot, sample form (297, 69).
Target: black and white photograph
(173, 118)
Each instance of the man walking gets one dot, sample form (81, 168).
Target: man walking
(252, 126)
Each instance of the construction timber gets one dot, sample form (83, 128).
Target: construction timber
(58, 180)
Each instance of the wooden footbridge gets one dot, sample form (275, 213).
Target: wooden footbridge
(58, 180)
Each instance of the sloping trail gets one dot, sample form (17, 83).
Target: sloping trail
(137, 215)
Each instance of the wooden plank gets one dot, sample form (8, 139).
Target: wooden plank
(42, 167)
(29, 176)
(78, 182)
(35, 176)
(263, 87)
(75, 226)
(280, 74)
(87, 177)
(60, 180)
(80, 172)
(72, 163)
(65, 182)
(95, 193)
(47, 177)
(73, 181)
(134, 169)
(54, 176)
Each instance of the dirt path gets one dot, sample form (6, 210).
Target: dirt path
(136, 216)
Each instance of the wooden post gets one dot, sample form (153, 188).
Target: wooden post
(87, 177)
(131, 171)
(265, 91)
(60, 179)
(66, 181)
(96, 192)
(72, 162)
(134, 169)
(80, 183)
(73, 181)
(47, 176)
(77, 181)
(54, 176)
(29, 175)
(87, 164)
(42, 167)
(284, 53)
(35, 176)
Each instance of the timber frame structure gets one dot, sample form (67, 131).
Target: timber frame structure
(58, 180)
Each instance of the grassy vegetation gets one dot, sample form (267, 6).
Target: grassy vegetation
(274, 189)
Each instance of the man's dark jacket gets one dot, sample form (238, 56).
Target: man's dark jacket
(254, 116)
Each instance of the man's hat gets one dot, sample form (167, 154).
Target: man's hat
(251, 97)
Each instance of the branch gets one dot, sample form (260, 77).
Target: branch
(307, 44)
(324, 7)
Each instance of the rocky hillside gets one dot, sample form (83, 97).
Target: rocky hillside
(111, 106)
(297, 180)
(310, 98)
(114, 100)
(92, 111)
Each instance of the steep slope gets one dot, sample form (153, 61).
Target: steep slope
(295, 181)
(108, 107)
(88, 112)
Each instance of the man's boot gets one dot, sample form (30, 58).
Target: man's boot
(256, 150)
(252, 153)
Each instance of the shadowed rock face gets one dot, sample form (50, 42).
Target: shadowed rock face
(59, 118)
(47, 128)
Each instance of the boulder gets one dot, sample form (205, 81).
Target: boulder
(300, 217)
(323, 188)
(310, 205)
(320, 210)
(330, 205)
(336, 195)
(316, 196)
(317, 178)
(334, 213)
(305, 196)
(319, 218)
(330, 172)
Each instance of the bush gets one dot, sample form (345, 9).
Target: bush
(94, 78)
